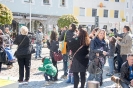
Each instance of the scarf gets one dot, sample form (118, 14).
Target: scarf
(99, 43)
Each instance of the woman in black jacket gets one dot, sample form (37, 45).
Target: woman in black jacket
(79, 51)
(23, 54)
(98, 49)
(53, 45)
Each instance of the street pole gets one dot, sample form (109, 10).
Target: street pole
(30, 1)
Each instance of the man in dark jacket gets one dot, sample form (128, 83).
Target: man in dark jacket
(127, 72)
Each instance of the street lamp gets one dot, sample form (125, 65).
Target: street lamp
(30, 1)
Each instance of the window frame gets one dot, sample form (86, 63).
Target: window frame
(106, 0)
(80, 14)
(115, 14)
(104, 15)
(95, 12)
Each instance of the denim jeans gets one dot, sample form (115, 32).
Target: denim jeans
(111, 64)
(65, 65)
(124, 85)
(38, 49)
(46, 77)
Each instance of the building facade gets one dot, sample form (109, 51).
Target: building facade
(110, 12)
(44, 13)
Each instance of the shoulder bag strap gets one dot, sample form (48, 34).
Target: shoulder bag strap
(65, 36)
(22, 41)
(77, 50)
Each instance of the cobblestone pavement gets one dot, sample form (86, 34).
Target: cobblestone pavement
(37, 79)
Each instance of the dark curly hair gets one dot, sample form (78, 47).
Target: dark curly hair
(53, 36)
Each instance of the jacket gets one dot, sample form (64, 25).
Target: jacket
(39, 37)
(69, 36)
(48, 67)
(126, 44)
(94, 48)
(53, 46)
(125, 73)
(112, 49)
(24, 48)
(80, 61)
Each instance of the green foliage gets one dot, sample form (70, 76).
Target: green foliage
(66, 20)
(6, 16)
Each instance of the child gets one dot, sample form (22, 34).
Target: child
(70, 74)
(48, 69)
(112, 47)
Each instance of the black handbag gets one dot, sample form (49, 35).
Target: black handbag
(31, 48)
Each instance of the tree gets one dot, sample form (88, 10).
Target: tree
(6, 16)
(66, 20)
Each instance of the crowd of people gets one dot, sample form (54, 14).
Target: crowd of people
(83, 53)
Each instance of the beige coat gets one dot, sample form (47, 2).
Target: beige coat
(126, 44)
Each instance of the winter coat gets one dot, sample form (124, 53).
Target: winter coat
(125, 73)
(112, 49)
(39, 37)
(79, 63)
(69, 36)
(95, 48)
(48, 68)
(53, 46)
(126, 44)
(24, 48)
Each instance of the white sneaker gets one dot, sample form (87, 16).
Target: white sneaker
(46, 83)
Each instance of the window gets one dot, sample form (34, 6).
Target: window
(46, 2)
(29, 1)
(26, 0)
(82, 11)
(106, 0)
(126, 18)
(127, 5)
(63, 3)
(105, 13)
(116, 0)
(116, 14)
(94, 12)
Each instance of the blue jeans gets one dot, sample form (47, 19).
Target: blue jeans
(38, 49)
(124, 85)
(65, 65)
(111, 64)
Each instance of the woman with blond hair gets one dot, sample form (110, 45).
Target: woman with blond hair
(99, 50)
(23, 53)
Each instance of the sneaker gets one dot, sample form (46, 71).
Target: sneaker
(20, 81)
(47, 83)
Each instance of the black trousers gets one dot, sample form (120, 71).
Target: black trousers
(24, 61)
(55, 64)
(76, 79)
(0, 66)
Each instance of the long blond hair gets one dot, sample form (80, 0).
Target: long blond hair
(99, 30)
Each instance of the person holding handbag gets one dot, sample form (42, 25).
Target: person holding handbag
(23, 54)
(53, 45)
(79, 53)
(98, 50)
